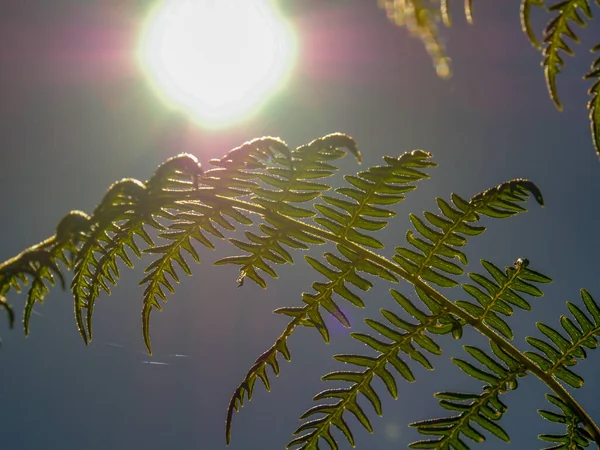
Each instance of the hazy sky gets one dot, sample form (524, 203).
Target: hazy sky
(76, 114)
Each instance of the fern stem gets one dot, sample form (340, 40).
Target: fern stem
(529, 365)
(46, 243)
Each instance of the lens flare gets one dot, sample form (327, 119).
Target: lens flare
(218, 60)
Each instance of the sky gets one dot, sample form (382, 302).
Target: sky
(77, 113)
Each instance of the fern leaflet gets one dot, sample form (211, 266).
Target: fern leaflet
(482, 410)
(526, 6)
(400, 335)
(420, 19)
(440, 236)
(594, 103)
(290, 181)
(576, 437)
(500, 293)
(559, 352)
(555, 33)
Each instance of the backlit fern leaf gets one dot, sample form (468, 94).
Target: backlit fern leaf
(118, 205)
(440, 236)
(239, 169)
(10, 312)
(554, 42)
(575, 438)
(106, 270)
(191, 225)
(72, 230)
(288, 182)
(594, 103)
(142, 204)
(40, 265)
(559, 352)
(310, 315)
(421, 18)
(371, 192)
(445, 11)
(260, 184)
(526, 6)
(482, 410)
(500, 292)
(401, 337)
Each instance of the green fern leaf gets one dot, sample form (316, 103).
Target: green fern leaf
(483, 410)
(73, 229)
(9, 310)
(526, 6)
(496, 296)
(594, 103)
(560, 352)
(339, 272)
(442, 236)
(38, 263)
(445, 12)
(401, 337)
(288, 177)
(372, 191)
(188, 226)
(117, 205)
(180, 172)
(576, 437)
(139, 205)
(554, 43)
(421, 18)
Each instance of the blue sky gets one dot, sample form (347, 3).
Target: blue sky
(76, 115)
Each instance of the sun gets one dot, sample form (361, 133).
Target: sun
(218, 60)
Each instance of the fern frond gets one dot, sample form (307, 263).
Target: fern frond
(118, 205)
(441, 236)
(560, 351)
(500, 292)
(375, 187)
(421, 19)
(475, 410)
(73, 229)
(239, 169)
(180, 172)
(126, 209)
(10, 312)
(371, 192)
(309, 315)
(575, 438)
(187, 227)
(469, 11)
(105, 271)
(400, 336)
(594, 103)
(554, 42)
(38, 263)
(526, 6)
(289, 181)
(445, 12)
(339, 272)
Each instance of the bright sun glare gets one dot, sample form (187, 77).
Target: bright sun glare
(216, 59)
